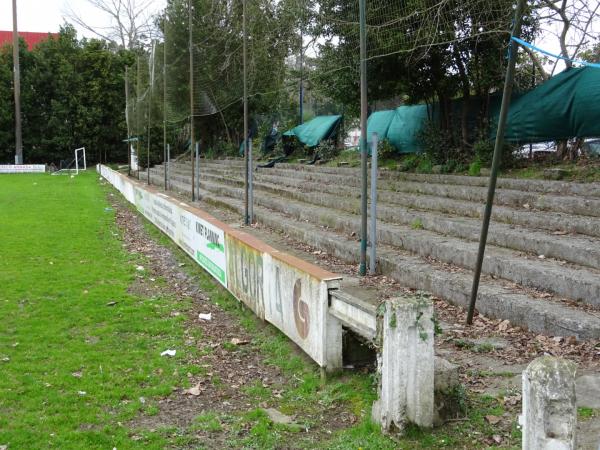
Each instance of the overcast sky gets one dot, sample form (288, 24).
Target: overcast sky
(48, 15)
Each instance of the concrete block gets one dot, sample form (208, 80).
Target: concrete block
(447, 392)
(549, 405)
(405, 364)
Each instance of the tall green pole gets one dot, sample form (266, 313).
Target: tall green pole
(363, 136)
(164, 74)
(192, 134)
(127, 118)
(246, 152)
(508, 87)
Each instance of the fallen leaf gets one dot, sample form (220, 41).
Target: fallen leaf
(111, 303)
(77, 374)
(503, 326)
(497, 439)
(195, 391)
(236, 341)
(493, 420)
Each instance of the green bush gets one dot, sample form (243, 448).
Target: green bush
(409, 163)
(385, 150)
(475, 168)
(425, 164)
(327, 150)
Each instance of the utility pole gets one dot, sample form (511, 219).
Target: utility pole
(363, 136)
(246, 153)
(192, 135)
(17, 78)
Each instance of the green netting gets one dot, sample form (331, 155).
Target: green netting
(400, 126)
(311, 133)
(565, 106)
(379, 122)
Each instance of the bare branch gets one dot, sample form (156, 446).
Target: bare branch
(130, 24)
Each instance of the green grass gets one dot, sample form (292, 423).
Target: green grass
(61, 262)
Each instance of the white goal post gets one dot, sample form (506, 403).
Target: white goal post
(82, 149)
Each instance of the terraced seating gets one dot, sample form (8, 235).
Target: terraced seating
(543, 257)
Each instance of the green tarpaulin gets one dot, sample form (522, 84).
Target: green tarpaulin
(400, 126)
(565, 106)
(311, 133)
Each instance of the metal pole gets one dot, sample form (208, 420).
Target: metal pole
(301, 99)
(246, 158)
(363, 136)
(137, 116)
(373, 254)
(250, 184)
(127, 120)
(17, 86)
(165, 109)
(192, 136)
(151, 87)
(508, 86)
(168, 165)
(197, 170)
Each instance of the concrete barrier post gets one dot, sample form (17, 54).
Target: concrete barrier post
(549, 410)
(405, 365)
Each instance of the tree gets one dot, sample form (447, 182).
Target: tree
(131, 26)
(72, 96)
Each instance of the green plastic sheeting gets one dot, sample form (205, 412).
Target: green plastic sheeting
(565, 106)
(400, 126)
(311, 133)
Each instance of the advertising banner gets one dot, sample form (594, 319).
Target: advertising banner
(22, 168)
(289, 293)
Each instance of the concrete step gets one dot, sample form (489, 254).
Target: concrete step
(540, 186)
(577, 205)
(496, 299)
(575, 249)
(542, 220)
(548, 275)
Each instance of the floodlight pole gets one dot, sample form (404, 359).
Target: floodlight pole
(246, 152)
(363, 136)
(192, 134)
(508, 87)
(17, 86)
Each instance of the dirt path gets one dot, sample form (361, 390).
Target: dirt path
(234, 389)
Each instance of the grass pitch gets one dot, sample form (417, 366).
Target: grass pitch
(71, 367)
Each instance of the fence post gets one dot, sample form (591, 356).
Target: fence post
(549, 417)
(250, 184)
(197, 167)
(405, 363)
(374, 162)
(168, 168)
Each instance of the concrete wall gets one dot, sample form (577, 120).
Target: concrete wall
(290, 293)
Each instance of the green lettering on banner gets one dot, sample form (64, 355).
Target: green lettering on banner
(215, 270)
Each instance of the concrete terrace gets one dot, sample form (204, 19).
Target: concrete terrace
(542, 263)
